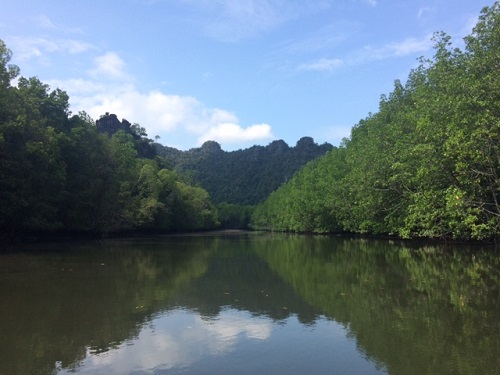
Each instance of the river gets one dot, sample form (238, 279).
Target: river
(249, 303)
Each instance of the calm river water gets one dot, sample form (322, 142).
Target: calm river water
(249, 303)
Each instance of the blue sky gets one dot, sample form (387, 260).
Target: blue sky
(240, 72)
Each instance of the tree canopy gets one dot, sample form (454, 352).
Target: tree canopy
(243, 177)
(426, 164)
(61, 173)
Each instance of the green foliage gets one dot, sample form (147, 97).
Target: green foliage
(243, 177)
(7, 71)
(193, 209)
(110, 289)
(234, 216)
(59, 173)
(32, 170)
(307, 202)
(432, 305)
(426, 164)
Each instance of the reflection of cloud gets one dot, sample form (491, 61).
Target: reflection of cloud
(178, 340)
(230, 325)
(183, 341)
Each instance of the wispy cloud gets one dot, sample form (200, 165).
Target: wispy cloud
(39, 47)
(44, 22)
(368, 54)
(324, 38)
(469, 26)
(323, 65)
(239, 19)
(394, 49)
(231, 21)
(423, 11)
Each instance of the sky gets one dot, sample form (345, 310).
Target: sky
(239, 72)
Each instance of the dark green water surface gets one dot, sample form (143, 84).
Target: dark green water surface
(249, 303)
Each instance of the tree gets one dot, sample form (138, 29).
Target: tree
(32, 172)
(426, 164)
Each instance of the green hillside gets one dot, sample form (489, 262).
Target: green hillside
(243, 177)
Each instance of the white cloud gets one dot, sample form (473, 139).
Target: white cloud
(372, 2)
(164, 115)
(109, 65)
(175, 118)
(234, 133)
(322, 65)
(159, 113)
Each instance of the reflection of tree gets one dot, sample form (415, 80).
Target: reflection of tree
(422, 310)
(418, 311)
(69, 303)
(237, 278)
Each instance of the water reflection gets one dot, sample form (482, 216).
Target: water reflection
(177, 340)
(250, 304)
(184, 342)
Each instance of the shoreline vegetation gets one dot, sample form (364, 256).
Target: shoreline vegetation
(425, 166)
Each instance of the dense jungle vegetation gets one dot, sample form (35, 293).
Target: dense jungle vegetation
(427, 164)
(62, 173)
(243, 177)
(68, 174)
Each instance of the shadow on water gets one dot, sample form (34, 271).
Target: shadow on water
(423, 310)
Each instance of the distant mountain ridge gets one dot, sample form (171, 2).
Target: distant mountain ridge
(247, 176)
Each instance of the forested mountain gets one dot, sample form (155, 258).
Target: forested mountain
(62, 173)
(426, 164)
(243, 177)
